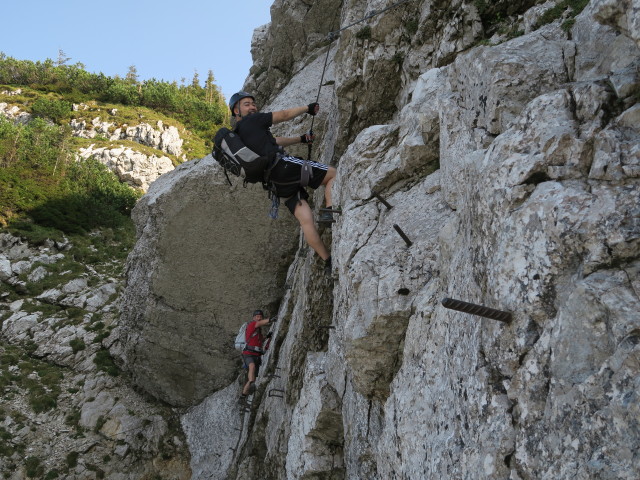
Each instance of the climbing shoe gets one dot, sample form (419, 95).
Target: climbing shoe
(327, 266)
(326, 218)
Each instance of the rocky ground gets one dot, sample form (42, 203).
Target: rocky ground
(67, 411)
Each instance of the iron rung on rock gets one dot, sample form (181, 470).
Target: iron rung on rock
(475, 309)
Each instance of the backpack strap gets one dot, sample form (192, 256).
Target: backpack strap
(249, 347)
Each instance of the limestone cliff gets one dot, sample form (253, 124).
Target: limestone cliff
(506, 144)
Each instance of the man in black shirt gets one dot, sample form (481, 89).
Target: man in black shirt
(254, 130)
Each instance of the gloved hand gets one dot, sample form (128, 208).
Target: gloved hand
(273, 319)
(313, 108)
(306, 138)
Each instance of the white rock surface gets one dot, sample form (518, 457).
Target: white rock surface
(131, 167)
(513, 171)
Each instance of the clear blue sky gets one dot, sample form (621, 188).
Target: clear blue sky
(166, 40)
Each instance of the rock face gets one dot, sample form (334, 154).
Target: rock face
(206, 257)
(512, 168)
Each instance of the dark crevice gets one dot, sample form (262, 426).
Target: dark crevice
(507, 459)
(522, 358)
(536, 178)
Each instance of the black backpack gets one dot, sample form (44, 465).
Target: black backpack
(235, 157)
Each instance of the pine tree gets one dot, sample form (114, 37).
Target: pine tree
(195, 83)
(211, 90)
(132, 75)
(62, 58)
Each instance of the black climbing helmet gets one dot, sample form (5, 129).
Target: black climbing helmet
(236, 97)
(258, 312)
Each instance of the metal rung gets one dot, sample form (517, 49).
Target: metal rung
(474, 309)
(382, 200)
(277, 394)
(331, 210)
(403, 235)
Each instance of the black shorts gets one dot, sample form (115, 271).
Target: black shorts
(285, 177)
(247, 359)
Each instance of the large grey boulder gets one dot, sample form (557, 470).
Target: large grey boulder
(207, 255)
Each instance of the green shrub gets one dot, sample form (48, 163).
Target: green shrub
(412, 26)
(36, 145)
(6, 449)
(73, 418)
(120, 92)
(494, 14)
(89, 197)
(30, 346)
(364, 33)
(42, 402)
(101, 336)
(43, 389)
(159, 95)
(95, 326)
(77, 344)
(52, 474)
(54, 109)
(33, 467)
(75, 313)
(105, 363)
(72, 459)
(574, 7)
(33, 233)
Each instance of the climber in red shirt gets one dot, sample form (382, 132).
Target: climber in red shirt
(254, 349)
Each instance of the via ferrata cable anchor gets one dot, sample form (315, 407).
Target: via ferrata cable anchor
(480, 310)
